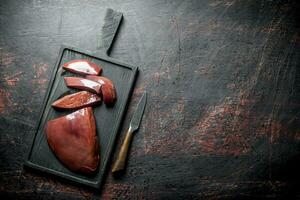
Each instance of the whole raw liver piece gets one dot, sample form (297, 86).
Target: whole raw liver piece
(73, 140)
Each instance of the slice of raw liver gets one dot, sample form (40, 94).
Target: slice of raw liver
(83, 84)
(73, 140)
(83, 67)
(107, 88)
(77, 100)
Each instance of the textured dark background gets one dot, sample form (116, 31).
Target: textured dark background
(223, 77)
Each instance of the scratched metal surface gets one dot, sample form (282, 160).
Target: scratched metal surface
(223, 78)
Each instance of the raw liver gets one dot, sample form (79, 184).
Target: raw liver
(83, 84)
(77, 100)
(107, 88)
(83, 67)
(73, 140)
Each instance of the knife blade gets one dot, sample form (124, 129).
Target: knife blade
(137, 116)
(134, 125)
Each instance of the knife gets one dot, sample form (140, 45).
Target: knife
(133, 126)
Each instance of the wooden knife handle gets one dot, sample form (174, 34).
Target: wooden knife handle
(122, 156)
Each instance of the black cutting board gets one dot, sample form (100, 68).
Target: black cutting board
(108, 119)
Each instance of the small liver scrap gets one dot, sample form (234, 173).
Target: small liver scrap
(77, 100)
(83, 84)
(83, 67)
(107, 88)
(73, 140)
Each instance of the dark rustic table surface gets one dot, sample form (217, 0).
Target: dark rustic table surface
(223, 78)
